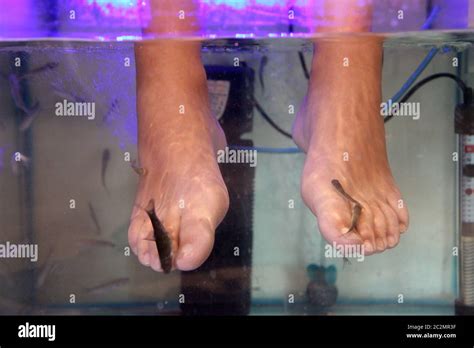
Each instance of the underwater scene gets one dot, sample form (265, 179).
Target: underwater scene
(236, 157)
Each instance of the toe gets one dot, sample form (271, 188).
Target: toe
(155, 263)
(143, 252)
(196, 238)
(393, 227)
(138, 224)
(399, 207)
(334, 220)
(365, 228)
(380, 227)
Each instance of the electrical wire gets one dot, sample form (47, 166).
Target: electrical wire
(413, 77)
(431, 18)
(403, 90)
(270, 121)
(467, 91)
(303, 65)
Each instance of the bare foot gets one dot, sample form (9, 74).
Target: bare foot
(342, 132)
(178, 139)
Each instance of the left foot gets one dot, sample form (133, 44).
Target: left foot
(178, 153)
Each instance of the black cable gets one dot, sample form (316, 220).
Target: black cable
(467, 91)
(269, 120)
(303, 65)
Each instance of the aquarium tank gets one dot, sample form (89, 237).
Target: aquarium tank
(236, 157)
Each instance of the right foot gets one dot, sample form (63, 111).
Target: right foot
(178, 153)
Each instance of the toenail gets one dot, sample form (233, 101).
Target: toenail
(380, 244)
(185, 251)
(391, 241)
(403, 228)
(146, 259)
(368, 247)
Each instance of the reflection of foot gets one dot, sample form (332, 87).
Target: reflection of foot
(341, 130)
(177, 151)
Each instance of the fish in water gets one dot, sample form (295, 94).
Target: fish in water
(105, 164)
(94, 217)
(357, 207)
(108, 286)
(139, 170)
(15, 79)
(162, 239)
(43, 68)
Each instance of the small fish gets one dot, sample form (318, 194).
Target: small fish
(105, 164)
(108, 286)
(162, 240)
(137, 169)
(43, 68)
(15, 91)
(263, 64)
(356, 209)
(94, 217)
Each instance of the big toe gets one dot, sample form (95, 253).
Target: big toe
(196, 239)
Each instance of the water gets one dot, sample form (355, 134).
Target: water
(56, 199)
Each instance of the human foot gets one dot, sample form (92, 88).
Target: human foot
(341, 130)
(178, 139)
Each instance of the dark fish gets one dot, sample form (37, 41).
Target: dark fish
(94, 217)
(15, 91)
(356, 209)
(137, 169)
(105, 164)
(43, 68)
(162, 240)
(263, 63)
(111, 285)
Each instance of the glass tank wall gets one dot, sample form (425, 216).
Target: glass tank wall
(68, 184)
(125, 19)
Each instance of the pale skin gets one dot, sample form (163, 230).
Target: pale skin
(339, 127)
